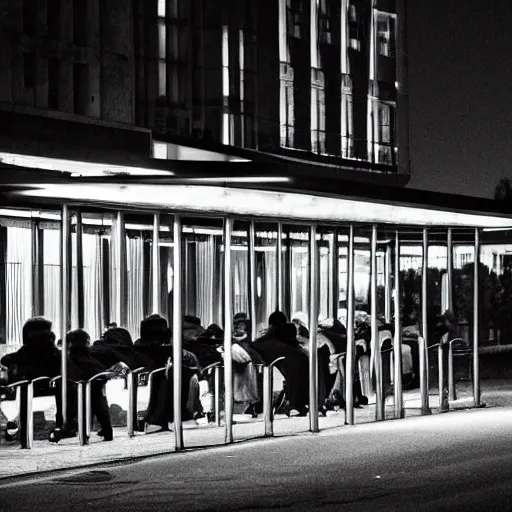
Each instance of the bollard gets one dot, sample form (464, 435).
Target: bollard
(443, 381)
(131, 419)
(267, 397)
(423, 356)
(217, 394)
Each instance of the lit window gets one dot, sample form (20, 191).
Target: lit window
(161, 8)
(227, 121)
(160, 150)
(162, 78)
(161, 39)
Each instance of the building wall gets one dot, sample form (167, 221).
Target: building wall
(319, 76)
(69, 56)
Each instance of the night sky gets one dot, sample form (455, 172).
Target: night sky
(460, 83)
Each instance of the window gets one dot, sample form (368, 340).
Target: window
(53, 19)
(317, 112)
(382, 132)
(29, 70)
(347, 119)
(324, 22)
(227, 118)
(53, 84)
(241, 65)
(287, 120)
(80, 24)
(385, 34)
(162, 57)
(81, 89)
(284, 54)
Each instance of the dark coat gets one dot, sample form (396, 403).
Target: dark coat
(82, 365)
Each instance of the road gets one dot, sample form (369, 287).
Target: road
(455, 461)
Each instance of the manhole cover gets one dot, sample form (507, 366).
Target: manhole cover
(90, 477)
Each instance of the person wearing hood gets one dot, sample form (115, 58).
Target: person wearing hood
(81, 367)
(280, 340)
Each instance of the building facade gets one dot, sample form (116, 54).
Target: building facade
(316, 82)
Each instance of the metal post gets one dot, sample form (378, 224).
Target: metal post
(476, 322)
(335, 266)
(377, 358)
(267, 401)
(80, 270)
(120, 264)
(279, 267)
(452, 393)
(37, 269)
(252, 280)
(397, 349)
(449, 268)
(351, 349)
(423, 350)
(443, 382)
(228, 327)
(155, 258)
(26, 416)
(387, 284)
(88, 409)
(217, 394)
(177, 342)
(83, 434)
(65, 236)
(131, 416)
(313, 327)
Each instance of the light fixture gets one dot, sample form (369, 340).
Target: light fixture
(78, 168)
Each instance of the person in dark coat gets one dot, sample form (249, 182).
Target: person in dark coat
(155, 346)
(281, 340)
(116, 346)
(81, 367)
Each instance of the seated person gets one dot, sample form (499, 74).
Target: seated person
(280, 340)
(116, 346)
(82, 366)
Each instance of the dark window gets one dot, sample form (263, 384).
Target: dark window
(80, 88)
(29, 16)
(29, 70)
(80, 22)
(53, 19)
(53, 84)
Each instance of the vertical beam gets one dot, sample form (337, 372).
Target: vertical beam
(351, 349)
(313, 327)
(397, 349)
(155, 259)
(377, 358)
(80, 270)
(252, 279)
(65, 235)
(476, 321)
(423, 344)
(37, 269)
(449, 268)
(335, 267)
(279, 267)
(387, 284)
(177, 335)
(120, 265)
(186, 278)
(228, 327)
(289, 270)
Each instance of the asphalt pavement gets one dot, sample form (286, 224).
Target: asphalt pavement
(456, 461)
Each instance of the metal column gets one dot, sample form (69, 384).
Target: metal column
(177, 335)
(335, 267)
(65, 237)
(120, 265)
(377, 358)
(80, 270)
(37, 269)
(351, 349)
(387, 284)
(476, 321)
(228, 328)
(397, 348)
(449, 268)
(252, 279)
(155, 260)
(313, 328)
(279, 267)
(423, 352)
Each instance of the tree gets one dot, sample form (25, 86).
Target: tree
(503, 190)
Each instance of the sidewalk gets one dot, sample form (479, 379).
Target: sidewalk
(68, 454)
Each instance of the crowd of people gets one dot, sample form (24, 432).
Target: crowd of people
(115, 352)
